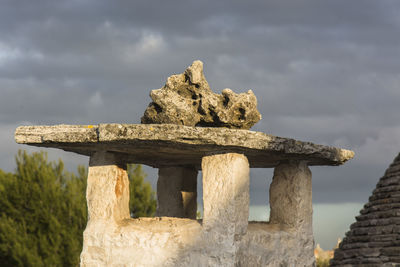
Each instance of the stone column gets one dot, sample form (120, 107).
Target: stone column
(177, 192)
(107, 190)
(290, 199)
(290, 195)
(226, 193)
(107, 195)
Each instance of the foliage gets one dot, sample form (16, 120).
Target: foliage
(142, 202)
(43, 211)
(322, 262)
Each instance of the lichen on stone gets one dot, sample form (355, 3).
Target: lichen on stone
(186, 99)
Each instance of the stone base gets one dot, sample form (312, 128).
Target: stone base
(164, 241)
(271, 245)
(223, 238)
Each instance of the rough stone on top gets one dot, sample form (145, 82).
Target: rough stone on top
(160, 145)
(186, 99)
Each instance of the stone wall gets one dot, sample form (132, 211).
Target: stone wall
(164, 241)
(223, 238)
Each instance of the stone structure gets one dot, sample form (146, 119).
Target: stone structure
(374, 239)
(186, 99)
(165, 141)
(224, 237)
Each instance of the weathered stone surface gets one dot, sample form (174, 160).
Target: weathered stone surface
(273, 245)
(389, 188)
(225, 202)
(376, 230)
(224, 238)
(226, 193)
(177, 192)
(63, 133)
(161, 145)
(379, 215)
(374, 239)
(291, 195)
(143, 242)
(375, 222)
(107, 191)
(370, 238)
(180, 242)
(290, 199)
(186, 99)
(380, 207)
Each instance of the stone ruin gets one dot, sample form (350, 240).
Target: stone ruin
(172, 140)
(374, 239)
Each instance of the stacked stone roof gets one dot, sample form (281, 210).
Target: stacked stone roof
(374, 239)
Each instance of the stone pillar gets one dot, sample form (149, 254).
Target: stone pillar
(290, 195)
(226, 193)
(177, 192)
(107, 190)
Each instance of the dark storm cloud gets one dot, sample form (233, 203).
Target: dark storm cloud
(323, 71)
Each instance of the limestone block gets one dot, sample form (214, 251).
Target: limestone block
(177, 192)
(180, 242)
(291, 195)
(62, 133)
(161, 145)
(186, 99)
(141, 242)
(226, 193)
(107, 190)
(290, 201)
(273, 245)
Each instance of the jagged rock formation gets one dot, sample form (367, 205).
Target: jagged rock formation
(186, 99)
(374, 239)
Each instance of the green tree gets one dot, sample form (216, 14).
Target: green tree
(142, 202)
(43, 211)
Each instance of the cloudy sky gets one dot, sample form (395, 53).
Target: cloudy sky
(323, 71)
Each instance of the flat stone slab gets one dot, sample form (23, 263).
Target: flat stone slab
(160, 145)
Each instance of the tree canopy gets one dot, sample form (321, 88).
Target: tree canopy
(43, 210)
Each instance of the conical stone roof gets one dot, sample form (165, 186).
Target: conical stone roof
(374, 239)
